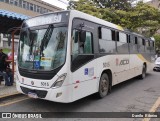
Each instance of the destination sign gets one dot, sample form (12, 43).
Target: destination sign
(46, 19)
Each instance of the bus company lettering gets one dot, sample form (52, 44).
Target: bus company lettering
(122, 62)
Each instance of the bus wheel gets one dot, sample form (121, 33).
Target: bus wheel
(103, 86)
(143, 75)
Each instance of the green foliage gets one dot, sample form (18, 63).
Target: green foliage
(116, 4)
(157, 39)
(85, 6)
(141, 18)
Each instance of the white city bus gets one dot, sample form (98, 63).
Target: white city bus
(68, 55)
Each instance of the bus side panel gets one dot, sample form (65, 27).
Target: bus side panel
(122, 67)
(114, 63)
(85, 80)
(136, 64)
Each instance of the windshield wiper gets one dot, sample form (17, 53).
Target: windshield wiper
(30, 41)
(46, 38)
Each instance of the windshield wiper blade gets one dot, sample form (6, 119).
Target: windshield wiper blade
(46, 37)
(30, 41)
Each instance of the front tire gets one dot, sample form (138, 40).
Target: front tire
(103, 86)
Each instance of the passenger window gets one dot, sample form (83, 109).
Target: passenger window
(81, 43)
(147, 47)
(122, 45)
(122, 37)
(133, 44)
(152, 46)
(106, 34)
(88, 43)
(141, 47)
(75, 40)
(107, 42)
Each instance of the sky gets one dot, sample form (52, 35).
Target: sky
(63, 3)
(58, 3)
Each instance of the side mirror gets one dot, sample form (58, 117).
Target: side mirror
(9, 40)
(82, 36)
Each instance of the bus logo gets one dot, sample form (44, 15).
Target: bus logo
(122, 62)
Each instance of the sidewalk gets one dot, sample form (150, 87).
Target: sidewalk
(6, 91)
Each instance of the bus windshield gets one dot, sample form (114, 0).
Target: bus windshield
(42, 49)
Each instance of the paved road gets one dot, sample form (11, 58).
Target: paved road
(131, 96)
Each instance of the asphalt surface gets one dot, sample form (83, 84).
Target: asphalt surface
(134, 95)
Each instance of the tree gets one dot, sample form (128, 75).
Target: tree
(141, 18)
(116, 4)
(157, 42)
(86, 6)
(145, 19)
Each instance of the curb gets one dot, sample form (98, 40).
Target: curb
(4, 97)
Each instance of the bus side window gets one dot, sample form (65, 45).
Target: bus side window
(122, 45)
(81, 43)
(75, 40)
(88, 43)
(152, 46)
(147, 47)
(128, 38)
(85, 46)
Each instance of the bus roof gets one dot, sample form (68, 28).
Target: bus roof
(78, 14)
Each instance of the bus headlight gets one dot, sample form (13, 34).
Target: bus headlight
(59, 81)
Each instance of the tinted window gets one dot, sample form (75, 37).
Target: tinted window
(147, 46)
(106, 45)
(132, 45)
(122, 45)
(106, 34)
(141, 47)
(152, 46)
(88, 43)
(81, 47)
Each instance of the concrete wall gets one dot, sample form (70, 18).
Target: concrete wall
(16, 9)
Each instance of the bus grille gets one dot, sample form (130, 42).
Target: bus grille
(40, 93)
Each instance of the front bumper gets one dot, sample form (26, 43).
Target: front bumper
(48, 94)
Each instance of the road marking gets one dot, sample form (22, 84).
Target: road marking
(153, 109)
(9, 103)
(6, 95)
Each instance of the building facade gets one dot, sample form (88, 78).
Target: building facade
(154, 3)
(26, 7)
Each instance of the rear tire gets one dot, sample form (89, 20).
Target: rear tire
(143, 75)
(103, 86)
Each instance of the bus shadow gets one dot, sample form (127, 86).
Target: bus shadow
(128, 82)
(50, 106)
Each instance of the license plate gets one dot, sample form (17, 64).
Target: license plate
(32, 95)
